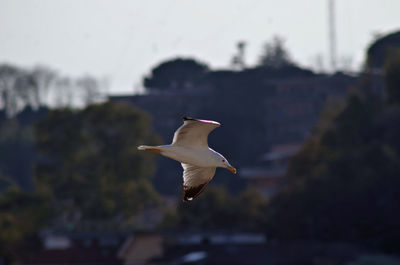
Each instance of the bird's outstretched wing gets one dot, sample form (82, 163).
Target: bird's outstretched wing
(195, 179)
(194, 132)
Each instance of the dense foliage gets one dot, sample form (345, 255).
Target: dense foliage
(86, 167)
(275, 55)
(344, 183)
(90, 163)
(177, 74)
(21, 214)
(218, 209)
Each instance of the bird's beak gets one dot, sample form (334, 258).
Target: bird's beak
(232, 169)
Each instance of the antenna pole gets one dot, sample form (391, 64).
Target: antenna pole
(332, 34)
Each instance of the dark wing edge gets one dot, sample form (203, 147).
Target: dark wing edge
(191, 193)
(186, 118)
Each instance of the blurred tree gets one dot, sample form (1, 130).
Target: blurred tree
(41, 86)
(326, 167)
(20, 88)
(213, 209)
(44, 79)
(343, 184)
(250, 209)
(392, 76)
(379, 51)
(17, 152)
(217, 209)
(91, 89)
(8, 77)
(275, 55)
(25, 91)
(22, 214)
(238, 60)
(5, 181)
(176, 74)
(90, 163)
(63, 92)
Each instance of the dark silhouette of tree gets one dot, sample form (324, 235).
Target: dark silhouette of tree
(176, 74)
(17, 152)
(238, 60)
(63, 92)
(378, 52)
(8, 78)
(41, 86)
(91, 89)
(343, 184)
(392, 76)
(275, 55)
(5, 181)
(22, 214)
(211, 210)
(20, 88)
(43, 79)
(90, 164)
(217, 209)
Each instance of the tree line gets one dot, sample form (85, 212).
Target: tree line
(42, 86)
(342, 185)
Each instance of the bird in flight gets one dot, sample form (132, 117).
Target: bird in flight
(190, 147)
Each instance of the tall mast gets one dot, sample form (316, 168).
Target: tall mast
(332, 34)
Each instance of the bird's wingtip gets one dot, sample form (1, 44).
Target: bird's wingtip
(191, 192)
(186, 118)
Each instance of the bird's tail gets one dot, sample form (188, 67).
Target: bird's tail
(154, 149)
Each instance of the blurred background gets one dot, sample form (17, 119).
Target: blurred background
(308, 95)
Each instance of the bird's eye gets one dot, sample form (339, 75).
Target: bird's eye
(223, 160)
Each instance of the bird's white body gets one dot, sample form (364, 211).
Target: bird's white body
(190, 155)
(190, 147)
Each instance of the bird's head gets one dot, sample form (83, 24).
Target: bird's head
(223, 162)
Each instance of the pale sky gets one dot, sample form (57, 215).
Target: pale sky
(123, 39)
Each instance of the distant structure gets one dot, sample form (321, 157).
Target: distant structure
(332, 34)
(291, 109)
(288, 106)
(238, 60)
(269, 177)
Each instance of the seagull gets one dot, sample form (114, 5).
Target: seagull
(190, 147)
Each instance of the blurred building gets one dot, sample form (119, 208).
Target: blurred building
(141, 249)
(262, 112)
(167, 108)
(224, 248)
(270, 176)
(95, 248)
(186, 247)
(293, 105)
